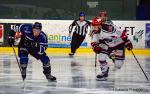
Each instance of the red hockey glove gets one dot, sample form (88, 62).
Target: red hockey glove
(129, 45)
(124, 36)
(96, 47)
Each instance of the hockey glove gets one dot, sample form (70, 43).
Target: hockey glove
(11, 38)
(124, 35)
(129, 45)
(96, 47)
(11, 41)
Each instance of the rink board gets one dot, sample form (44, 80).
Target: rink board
(57, 31)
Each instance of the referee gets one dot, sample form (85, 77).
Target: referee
(80, 31)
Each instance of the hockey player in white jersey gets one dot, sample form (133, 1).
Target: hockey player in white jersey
(104, 16)
(109, 41)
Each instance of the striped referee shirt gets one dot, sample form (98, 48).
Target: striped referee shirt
(81, 28)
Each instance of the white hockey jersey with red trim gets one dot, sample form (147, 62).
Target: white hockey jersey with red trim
(109, 33)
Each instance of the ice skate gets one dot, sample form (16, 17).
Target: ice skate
(23, 73)
(71, 54)
(47, 73)
(50, 77)
(103, 76)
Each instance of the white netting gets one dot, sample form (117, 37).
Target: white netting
(92, 4)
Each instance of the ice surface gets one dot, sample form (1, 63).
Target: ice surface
(75, 75)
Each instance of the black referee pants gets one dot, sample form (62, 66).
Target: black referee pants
(76, 42)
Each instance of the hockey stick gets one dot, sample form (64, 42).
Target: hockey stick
(95, 59)
(140, 65)
(17, 61)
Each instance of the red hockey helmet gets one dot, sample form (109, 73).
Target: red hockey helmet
(103, 13)
(96, 21)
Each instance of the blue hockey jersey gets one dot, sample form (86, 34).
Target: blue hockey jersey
(29, 41)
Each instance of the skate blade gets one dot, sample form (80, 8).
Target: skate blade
(71, 56)
(52, 80)
(101, 79)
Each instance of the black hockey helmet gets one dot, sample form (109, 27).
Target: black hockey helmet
(37, 25)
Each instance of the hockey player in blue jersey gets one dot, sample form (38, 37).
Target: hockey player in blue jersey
(34, 42)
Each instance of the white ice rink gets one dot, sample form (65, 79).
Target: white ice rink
(74, 76)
